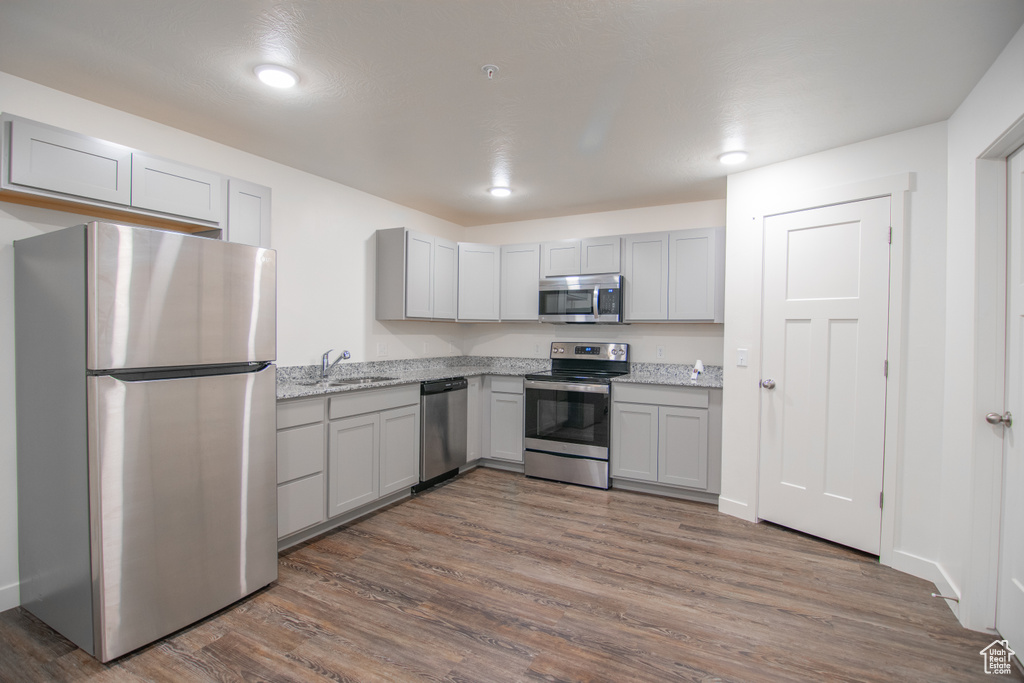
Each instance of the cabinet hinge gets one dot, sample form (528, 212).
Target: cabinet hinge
(881, 497)
(885, 370)
(890, 234)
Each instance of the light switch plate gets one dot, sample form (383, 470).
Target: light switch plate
(741, 358)
(382, 349)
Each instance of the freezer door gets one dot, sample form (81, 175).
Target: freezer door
(183, 498)
(161, 299)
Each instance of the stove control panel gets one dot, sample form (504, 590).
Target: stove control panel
(590, 350)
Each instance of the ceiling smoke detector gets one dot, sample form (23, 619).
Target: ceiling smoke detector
(490, 71)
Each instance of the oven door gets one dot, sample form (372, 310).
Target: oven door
(567, 418)
(567, 304)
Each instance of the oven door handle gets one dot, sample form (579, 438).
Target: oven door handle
(566, 386)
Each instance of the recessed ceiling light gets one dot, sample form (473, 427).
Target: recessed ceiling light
(730, 158)
(500, 191)
(276, 76)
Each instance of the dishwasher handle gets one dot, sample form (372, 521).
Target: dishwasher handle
(440, 386)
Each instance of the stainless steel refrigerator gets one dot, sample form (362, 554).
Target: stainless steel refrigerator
(147, 457)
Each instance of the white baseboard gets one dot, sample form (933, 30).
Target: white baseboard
(10, 596)
(736, 509)
(929, 570)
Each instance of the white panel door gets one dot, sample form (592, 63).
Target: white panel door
(824, 339)
(1010, 596)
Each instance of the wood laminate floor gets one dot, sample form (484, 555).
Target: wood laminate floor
(495, 577)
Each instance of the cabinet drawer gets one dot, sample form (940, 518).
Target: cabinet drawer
(300, 504)
(300, 452)
(507, 385)
(373, 401)
(660, 394)
(295, 413)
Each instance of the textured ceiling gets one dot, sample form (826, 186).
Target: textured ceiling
(598, 104)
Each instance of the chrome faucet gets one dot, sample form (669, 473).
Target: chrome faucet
(326, 369)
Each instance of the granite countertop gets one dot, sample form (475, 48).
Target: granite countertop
(303, 380)
(670, 374)
(298, 381)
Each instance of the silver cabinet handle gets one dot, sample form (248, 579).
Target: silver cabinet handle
(996, 418)
(768, 384)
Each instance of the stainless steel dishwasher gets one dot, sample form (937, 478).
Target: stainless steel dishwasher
(443, 424)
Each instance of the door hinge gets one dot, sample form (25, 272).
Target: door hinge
(890, 234)
(881, 497)
(885, 370)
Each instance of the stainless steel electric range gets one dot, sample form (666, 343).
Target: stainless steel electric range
(568, 413)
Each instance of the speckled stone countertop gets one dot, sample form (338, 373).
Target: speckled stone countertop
(672, 375)
(304, 380)
(296, 381)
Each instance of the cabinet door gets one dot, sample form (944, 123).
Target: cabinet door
(683, 447)
(419, 275)
(520, 274)
(61, 161)
(600, 255)
(446, 279)
(693, 274)
(170, 187)
(507, 427)
(399, 448)
(646, 273)
(479, 281)
(474, 415)
(300, 504)
(634, 451)
(353, 463)
(560, 258)
(248, 213)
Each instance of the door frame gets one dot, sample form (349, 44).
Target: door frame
(977, 607)
(896, 187)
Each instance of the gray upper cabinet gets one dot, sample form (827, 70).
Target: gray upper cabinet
(55, 168)
(560, 258)
(417, 276)
(600, 255)
(446, 279)
(248, 214)
(696, 281)
(645, 270)
(677, 276)
(479, 281)
(591, 256)
(42, 157)
(520, 273)
(175, 188)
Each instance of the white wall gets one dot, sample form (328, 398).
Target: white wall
(987, 124)
(921, 151)
(321, 230)
(681, 343)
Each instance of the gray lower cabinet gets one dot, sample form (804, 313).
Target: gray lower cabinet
(300, 465)
(374, 445)
(506, 419)
(474, 417)
(666, 435)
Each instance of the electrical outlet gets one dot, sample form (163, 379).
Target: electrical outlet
(741, 358)
(661, 352)
(382, 349)
(536, 349)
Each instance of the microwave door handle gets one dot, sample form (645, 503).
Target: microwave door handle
(597, 293)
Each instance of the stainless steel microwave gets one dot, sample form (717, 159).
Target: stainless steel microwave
(582, 299)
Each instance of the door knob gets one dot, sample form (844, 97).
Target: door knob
(996, 418)
(768, 384)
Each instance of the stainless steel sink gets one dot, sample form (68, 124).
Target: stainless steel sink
(358, 380)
